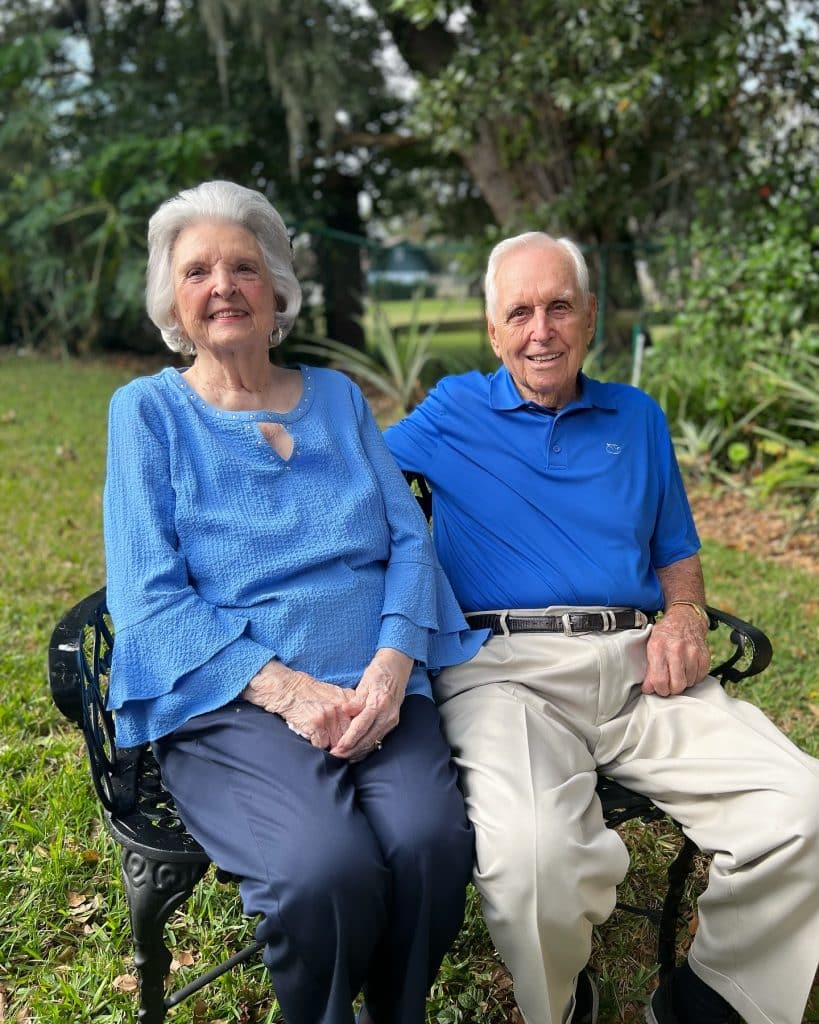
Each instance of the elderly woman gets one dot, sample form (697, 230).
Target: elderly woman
(277, 606)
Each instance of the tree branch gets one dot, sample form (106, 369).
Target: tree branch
(426, 50)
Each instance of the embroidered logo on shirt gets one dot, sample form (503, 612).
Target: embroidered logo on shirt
(613, 449)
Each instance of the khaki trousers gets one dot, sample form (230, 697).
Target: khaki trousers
(532, 716)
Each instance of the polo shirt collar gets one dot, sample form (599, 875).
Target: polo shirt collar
(504, 395)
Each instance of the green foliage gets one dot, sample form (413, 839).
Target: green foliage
(96, 211)
(793, 464)
(97, 126)
(122, 105)
(300, 45)
(611, 116)
(709, 450)
(796, 470)
(750, 300)
(392, 363)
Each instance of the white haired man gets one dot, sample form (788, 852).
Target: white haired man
(561, 519)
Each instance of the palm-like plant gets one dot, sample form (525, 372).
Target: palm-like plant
(796, 459)
(393, 362)
(710, 450)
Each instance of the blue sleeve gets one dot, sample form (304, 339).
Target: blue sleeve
(675, 534)
(420, 615)
(165, 631)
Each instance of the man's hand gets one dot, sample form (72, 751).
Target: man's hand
(677, 653)
(319, 711)
(381, 691)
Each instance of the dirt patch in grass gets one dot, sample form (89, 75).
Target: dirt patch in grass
(744, 521)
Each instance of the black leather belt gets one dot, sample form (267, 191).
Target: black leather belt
(569, 623)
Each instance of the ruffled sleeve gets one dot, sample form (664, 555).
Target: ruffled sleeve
(420, 615)
(152, 655)
(422, 618)
(166, 632)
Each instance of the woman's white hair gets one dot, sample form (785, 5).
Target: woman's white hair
(217, 200)
(533, 239)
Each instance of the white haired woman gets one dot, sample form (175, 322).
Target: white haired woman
(278, 606)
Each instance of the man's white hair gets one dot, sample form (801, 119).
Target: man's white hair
(532, 239)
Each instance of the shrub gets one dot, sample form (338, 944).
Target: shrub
(751, 298)
(394, 360)
(793, 463)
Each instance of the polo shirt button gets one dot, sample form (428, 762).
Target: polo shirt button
(556, 448)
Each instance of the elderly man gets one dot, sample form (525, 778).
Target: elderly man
(561, 520)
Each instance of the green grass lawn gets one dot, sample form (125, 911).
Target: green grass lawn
(459, 338)
(400, 312)
(65, 953)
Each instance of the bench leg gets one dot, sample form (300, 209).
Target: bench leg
(678, 873)
(155, 889)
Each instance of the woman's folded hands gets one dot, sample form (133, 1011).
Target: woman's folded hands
(349, 723)
(321, 712)
(381, 689)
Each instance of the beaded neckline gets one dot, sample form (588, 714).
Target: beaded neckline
(242, 416)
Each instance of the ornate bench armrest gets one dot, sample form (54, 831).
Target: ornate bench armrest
(79, 659)
(139, 812)
(752, 649)
(65, 649)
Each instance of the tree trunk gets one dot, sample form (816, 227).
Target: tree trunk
(339, 261)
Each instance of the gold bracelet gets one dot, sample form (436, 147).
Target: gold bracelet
(698, 608)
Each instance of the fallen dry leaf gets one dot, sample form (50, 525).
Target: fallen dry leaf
(125, 983)
(182, 959)
(83, 908)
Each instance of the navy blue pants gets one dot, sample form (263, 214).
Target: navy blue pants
(358, 870)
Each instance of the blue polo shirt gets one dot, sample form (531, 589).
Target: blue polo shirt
(534, 508)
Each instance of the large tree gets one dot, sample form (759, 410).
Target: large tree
(329, 64)
(608, 117)
(609, 121)
(612, 121)
(594, 117)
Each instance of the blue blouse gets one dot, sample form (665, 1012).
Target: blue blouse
(222, 555)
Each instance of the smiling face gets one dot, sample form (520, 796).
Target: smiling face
(541, 326)
(223, 292)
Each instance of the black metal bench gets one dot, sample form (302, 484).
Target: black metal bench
(161, 863)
